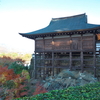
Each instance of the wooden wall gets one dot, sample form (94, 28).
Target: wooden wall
(71, 52)
(65, 43)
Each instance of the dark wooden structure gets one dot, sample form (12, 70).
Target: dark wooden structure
(68, 42)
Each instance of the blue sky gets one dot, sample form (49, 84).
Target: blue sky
(29, 15)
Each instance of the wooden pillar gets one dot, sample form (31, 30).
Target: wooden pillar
(53, 63)
(82, 69)
(35, 68)
(40, 65)
(94, 60)
(52, 58)
(70, 54)
(43, 58)
(82, 54)
(50, 71)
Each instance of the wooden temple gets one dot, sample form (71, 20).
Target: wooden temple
(66, 43)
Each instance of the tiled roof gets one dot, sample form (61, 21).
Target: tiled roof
(77, 22)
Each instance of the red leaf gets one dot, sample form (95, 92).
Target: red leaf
(23, 93)
(39, 89)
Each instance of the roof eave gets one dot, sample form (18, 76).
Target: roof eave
(33, 36)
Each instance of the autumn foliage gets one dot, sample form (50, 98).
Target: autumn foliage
(6, 74)
(14, 79)
(6, 61)
(39, 89)
(15, 85)
(8, 58)
(12, 85)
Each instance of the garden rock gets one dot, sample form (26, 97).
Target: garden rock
(47, 84)
(83, 82)
(67, 79)
(88, 76)
(67, 73)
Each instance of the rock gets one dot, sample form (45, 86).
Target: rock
(77, 82)
(67, 73)
(82, 74)
(70, 82)
(75, 74)
(33, 81)
(73, 83)
(54, 86)
(66, 79)
(63, 74)
(88, 76)
(46, 85)
(51, 78)
(83, 82)
(94, 80)
(60, 80)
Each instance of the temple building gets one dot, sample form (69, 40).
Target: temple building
(66, 43)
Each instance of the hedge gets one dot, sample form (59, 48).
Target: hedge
(87, 92)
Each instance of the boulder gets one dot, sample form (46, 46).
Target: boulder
(83, 82)
(67, 79)
(59, 80)
(89, 77)
(67, 73)
(47, 84)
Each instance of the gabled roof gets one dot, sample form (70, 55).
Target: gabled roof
(64, 24)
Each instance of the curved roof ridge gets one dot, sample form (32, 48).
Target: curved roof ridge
(84, 14)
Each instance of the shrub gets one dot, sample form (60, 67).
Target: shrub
(17, 66)
(87, 92)
(6, 61)
(8, 58)
(12, 85)
(13, 76)
(39, 89)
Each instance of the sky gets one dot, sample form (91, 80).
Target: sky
(22, 16)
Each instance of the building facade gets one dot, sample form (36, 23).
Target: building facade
(66, 43)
